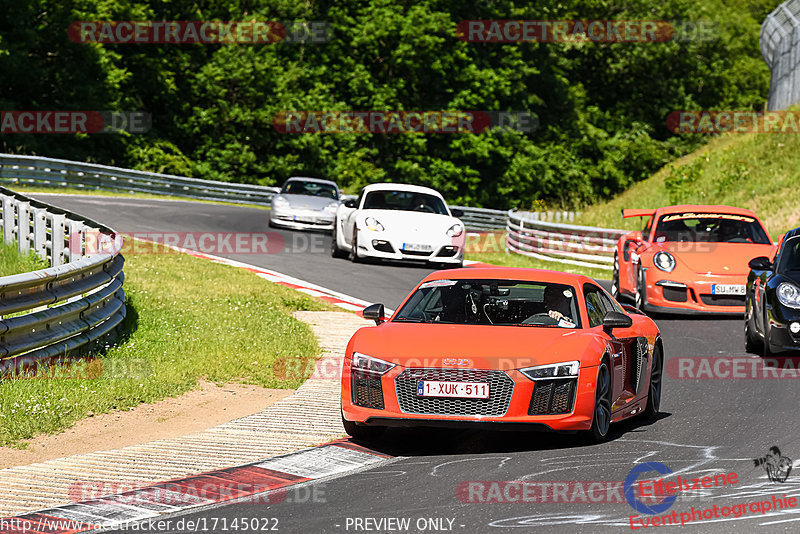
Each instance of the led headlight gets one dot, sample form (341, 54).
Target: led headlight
(554, 370)
(455, 230)
(788, 295)
(368, 364)
(664, 261)
(374, 224)
(280, 202)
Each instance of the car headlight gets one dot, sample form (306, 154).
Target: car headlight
(280, 202)
(788, 295)
(331, 208)
(553, 370)
(368, 364)
(374, 224)
(455, 230)
(664, 261)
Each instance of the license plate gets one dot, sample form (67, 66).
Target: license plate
(727, 289)
(416, 247)
(456, 390)
(304, 219)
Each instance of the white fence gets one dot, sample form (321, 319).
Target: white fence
(780, 47)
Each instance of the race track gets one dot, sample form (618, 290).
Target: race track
(706, 426)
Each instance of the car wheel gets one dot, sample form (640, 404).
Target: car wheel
(362, 432)
(354, 249)
(336, 252)
(601, 418)
(654, 393)
(615, 278)
(640, 300)
(751, 343)
(766, 349)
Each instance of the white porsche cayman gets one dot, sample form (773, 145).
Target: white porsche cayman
(399, 222)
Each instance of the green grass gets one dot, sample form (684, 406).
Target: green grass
(489, 248)
(760, 172)
(189, 319)
(12, 261)
(29, 189)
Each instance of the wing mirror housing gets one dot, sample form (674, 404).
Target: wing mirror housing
(614, 320)
(375, 312)
(349, 203)
(457, 213)
(760, 263)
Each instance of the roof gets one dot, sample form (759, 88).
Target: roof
(388, 186)
(309, 179)
(510, 273)
(684, 208)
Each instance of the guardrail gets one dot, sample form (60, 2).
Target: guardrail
(49, 172)
(564, 243)
(780, 43)
(69, 308)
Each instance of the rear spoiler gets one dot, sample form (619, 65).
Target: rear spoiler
(638, 213)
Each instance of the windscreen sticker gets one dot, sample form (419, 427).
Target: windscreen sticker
(568, 293)
(566, 323)
(438, 283)
(727, 216)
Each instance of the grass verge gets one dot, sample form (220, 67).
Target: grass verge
(12, 261)
(188, 319)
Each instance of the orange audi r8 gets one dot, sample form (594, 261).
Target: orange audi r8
(689, 259)
(502, 347)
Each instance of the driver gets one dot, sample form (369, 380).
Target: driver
(557, 305)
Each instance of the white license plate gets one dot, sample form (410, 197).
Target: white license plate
(302, 219)
(456, 390)
(727, 289)
(416, 247)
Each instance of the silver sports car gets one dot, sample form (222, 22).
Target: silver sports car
(305, 203)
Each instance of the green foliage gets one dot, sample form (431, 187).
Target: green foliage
(601, 107)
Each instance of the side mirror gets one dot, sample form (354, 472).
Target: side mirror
(457, 213)
(616, 320)
(349, 203)
(375, 312)
(760, 263)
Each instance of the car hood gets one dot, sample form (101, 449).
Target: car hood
(307, 201)
(413, 221)
(715, 258)
(478, 347)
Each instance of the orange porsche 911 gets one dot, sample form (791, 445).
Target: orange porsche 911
(505, 348)
(689, 259)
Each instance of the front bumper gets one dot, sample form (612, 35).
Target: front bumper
(380, 246)
(780, 336)
(668, 294)
(299, 219)
(388, 410)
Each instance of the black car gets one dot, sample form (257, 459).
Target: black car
(772, 306)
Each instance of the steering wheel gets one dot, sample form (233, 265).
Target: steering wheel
(425, 208)
(543, 319)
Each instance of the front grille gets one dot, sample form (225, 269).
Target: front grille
(447, 252)
(382, 246)
(415, 253)
(675, 294)
(367, 390)
(500, 389)
(722, 300)
(554, 396)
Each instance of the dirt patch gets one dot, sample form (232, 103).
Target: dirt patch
(197, 410)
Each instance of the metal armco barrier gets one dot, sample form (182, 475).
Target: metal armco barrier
(780, 47)
(482, 219)
(563, 243)
(48, 172)
(64, 310)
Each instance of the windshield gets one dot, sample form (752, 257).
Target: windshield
(492, 302)
(311, 189)
(710, 228)
(404, 201)
(789, 259)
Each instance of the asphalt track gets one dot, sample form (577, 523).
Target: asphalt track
(707, 426)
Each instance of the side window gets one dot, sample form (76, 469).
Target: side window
(595, 308)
